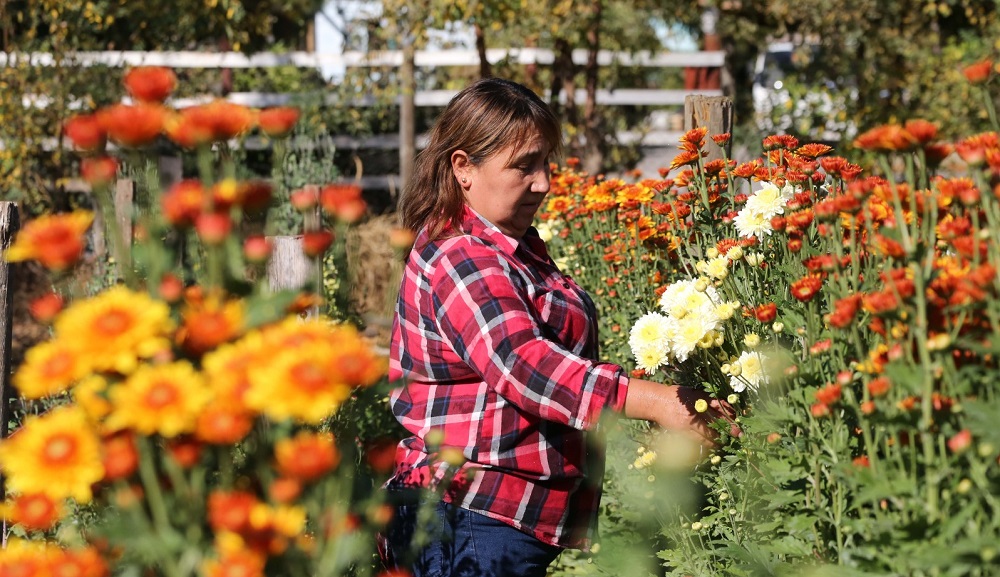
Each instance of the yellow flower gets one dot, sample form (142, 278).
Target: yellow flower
(309, 382)
(56, 241)
(56, 454)
(50, 368)
(90, 394)
(117, 327)
(159, 399)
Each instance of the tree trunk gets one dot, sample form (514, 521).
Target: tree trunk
(484, 65)
(593, 156)
(563, 80)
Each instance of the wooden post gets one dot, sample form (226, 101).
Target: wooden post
(9, 225)
(171, 169)
(407, 111)
(290, 268)
(122, 246)
(714, 113)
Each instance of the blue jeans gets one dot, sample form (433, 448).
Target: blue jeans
(463, 543)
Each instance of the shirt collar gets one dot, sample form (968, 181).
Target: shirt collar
(474, 224)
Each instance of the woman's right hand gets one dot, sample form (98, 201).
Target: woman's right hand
(672, 407)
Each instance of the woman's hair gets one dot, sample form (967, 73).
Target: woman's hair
(483, 119)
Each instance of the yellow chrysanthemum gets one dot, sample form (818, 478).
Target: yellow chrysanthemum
(159, 399)
(50, 368)
(117, 327)
(56, 454)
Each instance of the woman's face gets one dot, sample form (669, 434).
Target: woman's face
(507, 188)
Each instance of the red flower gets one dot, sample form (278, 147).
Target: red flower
(343, 201)
(278, 122)
(978, 72)
(46, 307)
(98, 171)
(828, 394)
(960, 441)
(213, 227)
(86, 132)
(814, 150)
(861, 461)
(133, 126)
(150, 83)
(924, 131)
(819, 410)
(806, 288)
(315, 243)
(257, 248)
(766, 313)
(888, 137)
(305, 198)
(184, 202)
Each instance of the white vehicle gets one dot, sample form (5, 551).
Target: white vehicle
(786, 101)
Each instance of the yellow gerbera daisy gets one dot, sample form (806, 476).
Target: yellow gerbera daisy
(90, 394)
(227, 368)
(159, 399)
(56, 454)
(50, 368)
(301, 383)
(117, 327)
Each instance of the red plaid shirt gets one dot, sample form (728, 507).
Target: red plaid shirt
(496, 350)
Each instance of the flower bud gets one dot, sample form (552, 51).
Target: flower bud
(701, 405)
(213, 227)
(733, 398)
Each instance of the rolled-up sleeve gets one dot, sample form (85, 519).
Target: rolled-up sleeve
(485, 312)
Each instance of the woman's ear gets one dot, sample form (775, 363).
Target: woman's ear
(461, 166)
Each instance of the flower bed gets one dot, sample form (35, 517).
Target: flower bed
(851, 316)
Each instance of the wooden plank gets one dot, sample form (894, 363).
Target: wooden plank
(9, 224)
(357, 59)
(124, 197)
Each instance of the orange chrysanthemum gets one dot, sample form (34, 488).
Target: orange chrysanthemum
(307, 456)
(160, 399)
(133, 125)
(806, 288)
(98, 171)
(888, 137)
(56, 454)
(50, 368)
(978, 72)
(56, 241)
(244, 563)
(117, 327)
(86, 562)
(150, 83)
(813, 150)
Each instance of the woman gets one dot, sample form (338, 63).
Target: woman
(496, 349)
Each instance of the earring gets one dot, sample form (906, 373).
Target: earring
(464, 180)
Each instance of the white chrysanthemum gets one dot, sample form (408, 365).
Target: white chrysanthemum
(688, 332)
(651, 357)
(751, 372)
(770, 200)
(717, 267)
(545, 231)
(725, 311)
(652, 329)
(752, 223)
(676, 294)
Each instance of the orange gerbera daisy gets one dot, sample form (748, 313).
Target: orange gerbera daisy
(244, 563)
(230, 510)
(55, 240)
(56, 454)
(307, 456)
(343, 201)
(208, 323)
(85, 131)
(21, 557)
(86, 562)
(50, 368)
(33, 511)
(160, 399)
(184, 202)
(117, 327)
